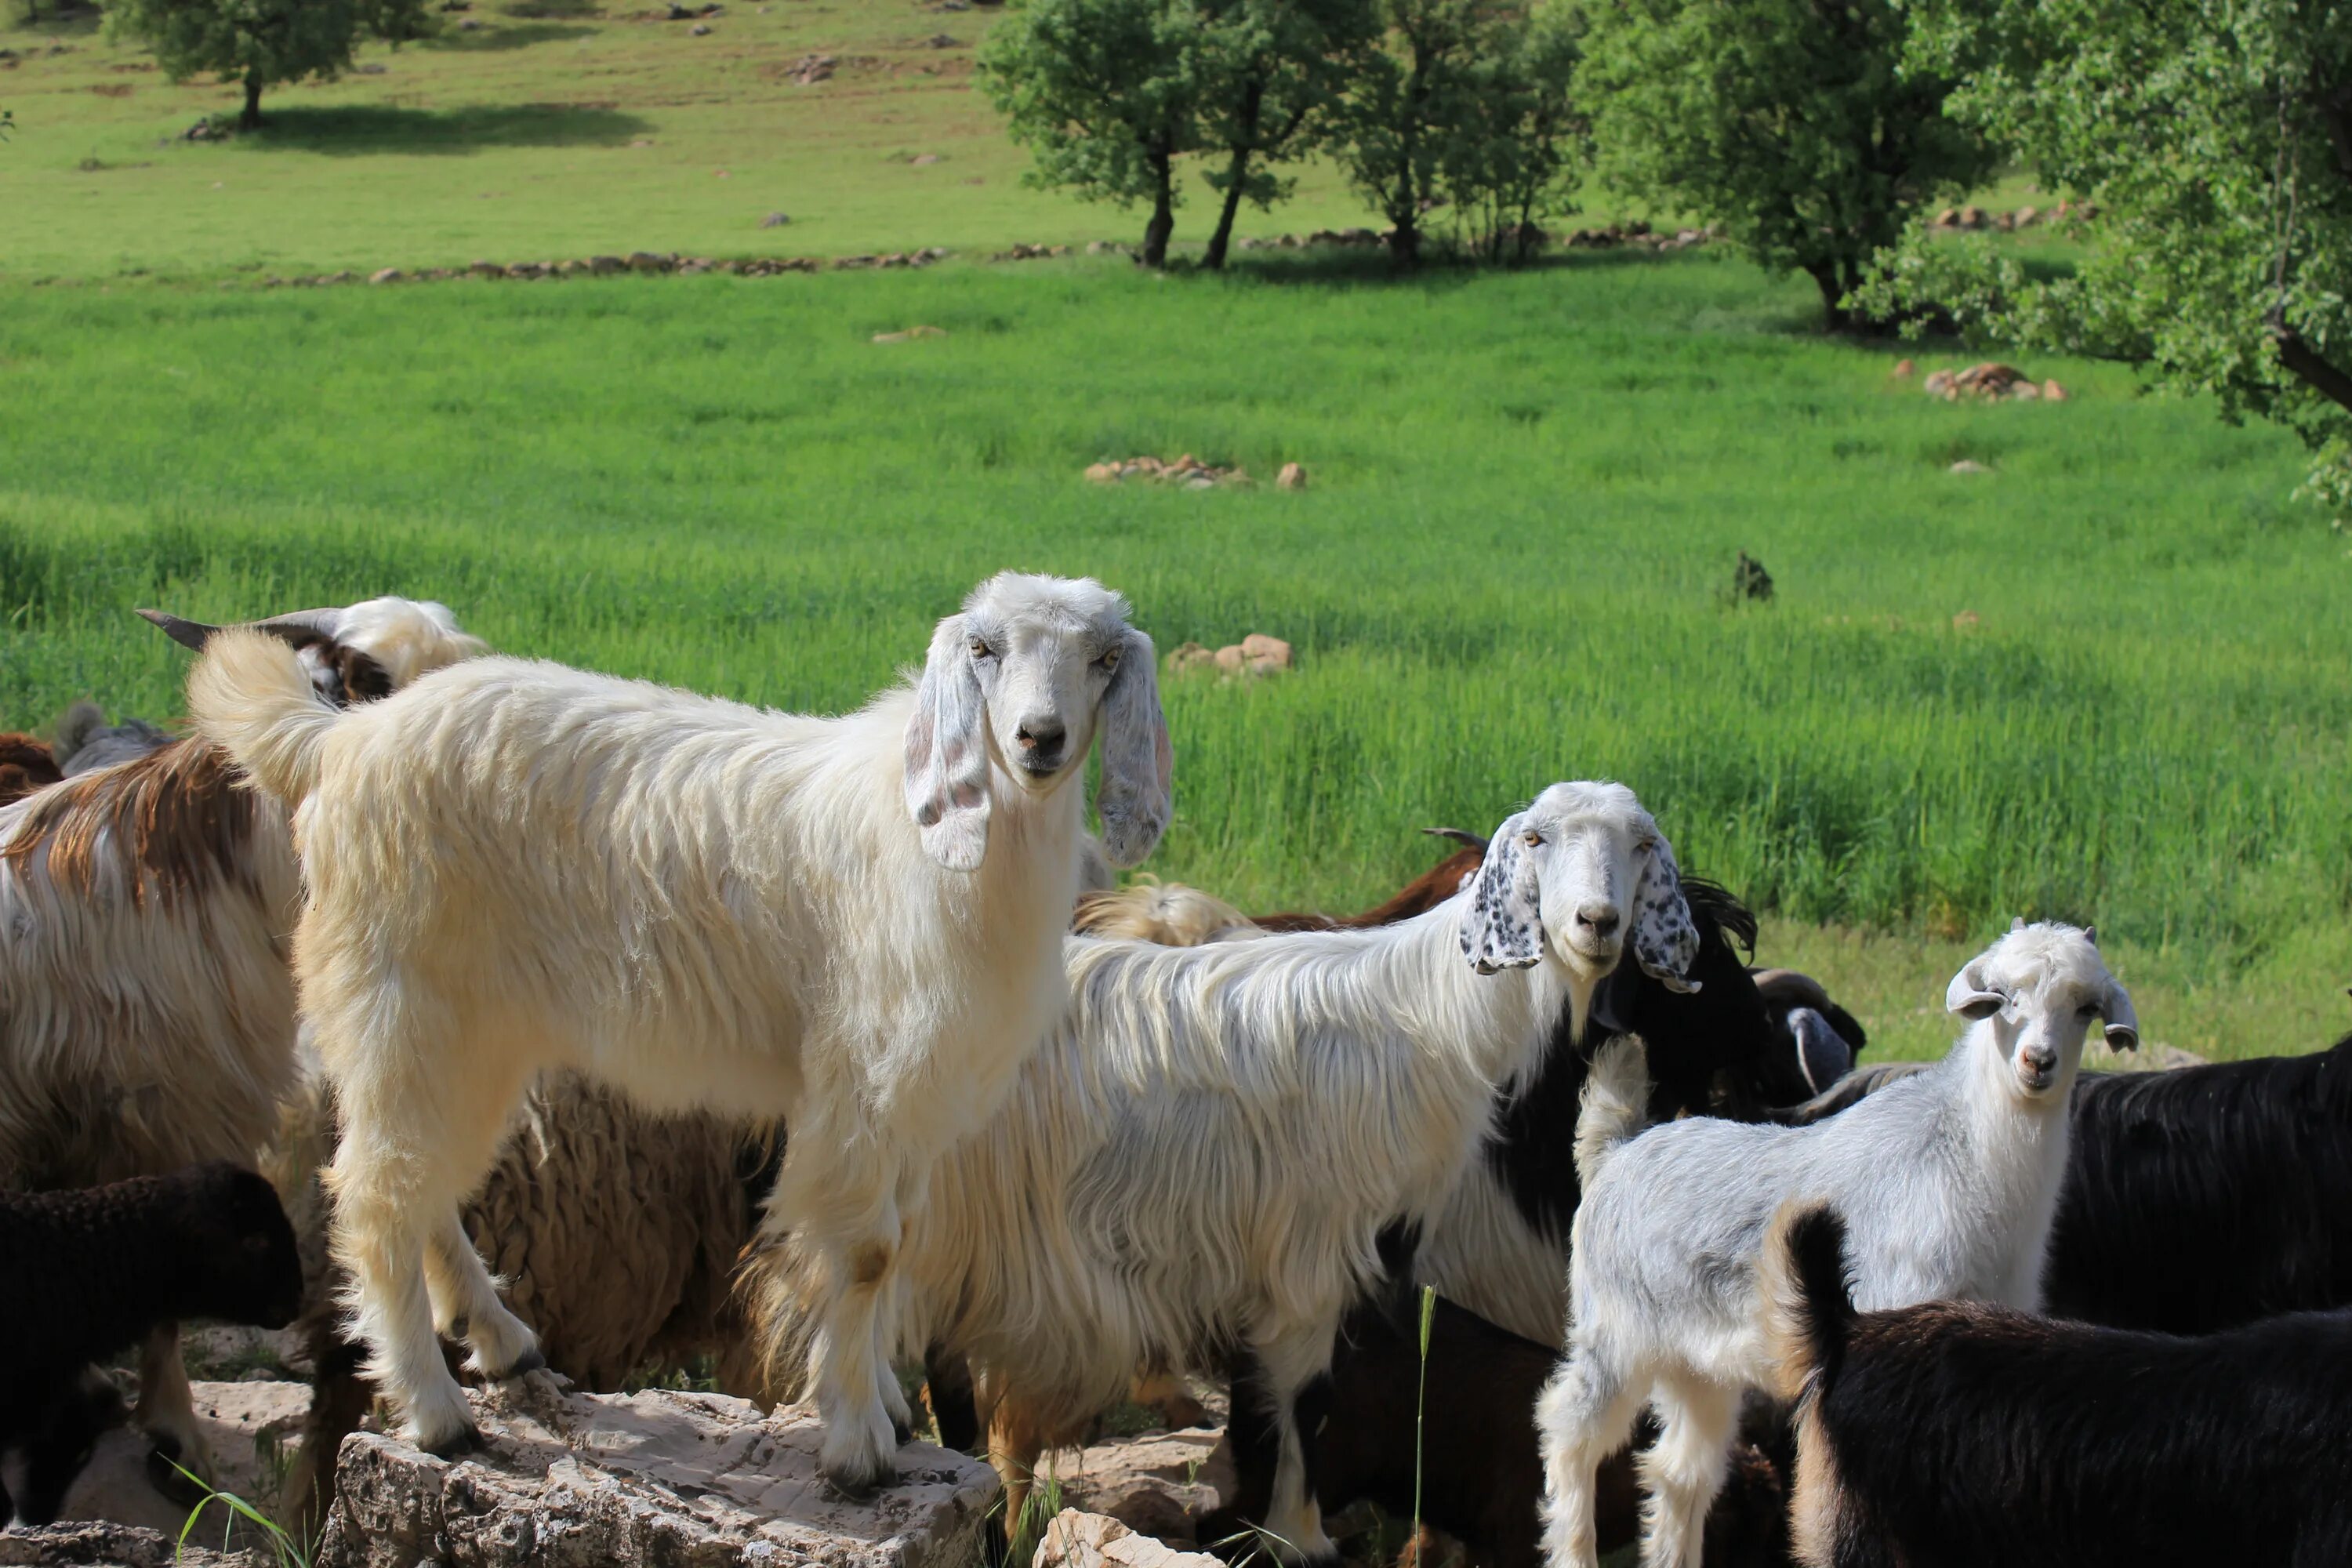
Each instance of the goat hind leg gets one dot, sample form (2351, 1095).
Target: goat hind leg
(1585, 1413)
(1684, 1469)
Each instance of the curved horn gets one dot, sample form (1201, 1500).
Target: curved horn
(187, 633)
(1461, 835)
(327, 623)
(1790, 985)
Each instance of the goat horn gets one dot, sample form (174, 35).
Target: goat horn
(1790, 985)
(187, 633)
(1460, 835)
(326, 621)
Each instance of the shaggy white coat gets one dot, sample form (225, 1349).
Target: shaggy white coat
(852, 924)
(147, 1022)
(1949, 1178)
(1205, 1152)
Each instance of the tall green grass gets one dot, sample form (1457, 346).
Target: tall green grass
(1511, 565)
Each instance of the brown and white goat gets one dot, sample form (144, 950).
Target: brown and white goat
(147, 1013)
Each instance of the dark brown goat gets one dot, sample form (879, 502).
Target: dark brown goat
(26, 765)
(1421, 895)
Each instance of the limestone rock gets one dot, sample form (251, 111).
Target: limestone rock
(1292, 478)
(1969, 465)
(1076, 1539)
(694, 1481)
(244, 1425)
(385, 275)
(1156, 1484)
(114, 1545)
(1261, 649)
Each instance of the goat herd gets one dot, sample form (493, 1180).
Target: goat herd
(1061, 1167)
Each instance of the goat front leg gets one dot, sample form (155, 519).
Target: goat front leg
(847, 1212)
(167, 1414)
(1684, 1469)
(1585, 1413)
(467, 1306)
(1298, 1367)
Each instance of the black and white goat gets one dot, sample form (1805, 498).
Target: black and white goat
(94, 1270)
(1952, 1434)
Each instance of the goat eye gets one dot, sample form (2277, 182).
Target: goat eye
(1109, 659)
(1647, 847)
(980, 649)
(1531, 839)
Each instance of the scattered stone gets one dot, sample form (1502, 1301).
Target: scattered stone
(346, 275)
(1076, 1539)
(2053, 392)
(1292, 478)
(1905, 369)
(1266, 654)
(1030, 252)
(646, 261)
(1989, 380)
(1965, 621)
(604, 266)
(924, 160)
(370, 67)
(387, 275)
(643, 141)
(775, 220)
(470, 24)
(117, 1546)
(486, 270)
(700, 30)
(910, 334)
(1105, 247)
(1187, 470)
(638, 1479)
(1969, 465)
(1640, 234)
(941, 41)
(810, 69)
(1188, 656)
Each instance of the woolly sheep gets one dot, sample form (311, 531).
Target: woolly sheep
(1948, 1178)
(149, 1020)
(852, 924)
(94, 1270)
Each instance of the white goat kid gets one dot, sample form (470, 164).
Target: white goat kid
(146, 1010)
(852, 923)
(1949, 1180)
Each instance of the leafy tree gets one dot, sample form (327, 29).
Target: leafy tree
(1520, 150)
(2215, 144)
(1790, 123)
(261, 42)
(1410, 100)
(1105, 96)
(1272, 74)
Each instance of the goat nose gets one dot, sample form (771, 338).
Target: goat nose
(1600, 919)
(1040, 736)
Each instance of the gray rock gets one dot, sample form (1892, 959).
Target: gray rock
(697, 1480)
(775, 220)
(114, 1545)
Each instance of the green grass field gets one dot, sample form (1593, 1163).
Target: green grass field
(2109, 680)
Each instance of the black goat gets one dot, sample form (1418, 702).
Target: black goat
(1961, 1434)
(87, 1272)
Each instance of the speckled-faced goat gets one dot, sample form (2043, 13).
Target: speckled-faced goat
(1949, 1180)
(146, 1010)
(852, 923)
(1204, 1155)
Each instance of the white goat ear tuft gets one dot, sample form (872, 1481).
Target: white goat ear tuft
(1502, 925)
(947, 754)
(2016, 924)
(1969, 997)
(1139, 765)
(1665, 938)
(2090, 935)
(2123, 1023)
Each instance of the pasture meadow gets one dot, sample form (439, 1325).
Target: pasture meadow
(2109, 680)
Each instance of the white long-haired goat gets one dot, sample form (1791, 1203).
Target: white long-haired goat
(1205, 1153)
(146, 1010)
(1949, 1180)
(853, 923)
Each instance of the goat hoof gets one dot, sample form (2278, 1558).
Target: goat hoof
(901, 1431)
(467, 1439)
(169, 1476)
(531, 1361)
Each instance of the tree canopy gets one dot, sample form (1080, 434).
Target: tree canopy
(262, 42)
(2214, 142)
(1790, 123)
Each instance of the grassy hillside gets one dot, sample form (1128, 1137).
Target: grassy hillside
(2110, 679)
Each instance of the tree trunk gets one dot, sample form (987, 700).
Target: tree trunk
(2307, 365)
(1163, 212)
(251, 119)
(1236, 171)
(1834, 312)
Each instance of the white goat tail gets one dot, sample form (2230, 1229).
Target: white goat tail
(250, 696)
(1615, 1104)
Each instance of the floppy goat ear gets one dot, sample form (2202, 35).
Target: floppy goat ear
(1502, 925)
(1665, 940)
(1138, 766)
(947, 755)
(1968, 996)
(2123, 1023)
